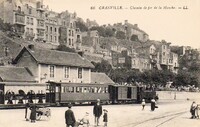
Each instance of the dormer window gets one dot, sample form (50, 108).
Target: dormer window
(19, 9)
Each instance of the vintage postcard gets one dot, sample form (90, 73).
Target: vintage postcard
(99, 63)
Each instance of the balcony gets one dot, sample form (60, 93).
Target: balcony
(19, 19)
(18, 12)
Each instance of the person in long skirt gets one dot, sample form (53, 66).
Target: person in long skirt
(33, 114)
(153, 105)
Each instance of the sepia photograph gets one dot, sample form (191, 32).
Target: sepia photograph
(99, 63)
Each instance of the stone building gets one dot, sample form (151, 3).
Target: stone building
(26, 16)
(69, 34)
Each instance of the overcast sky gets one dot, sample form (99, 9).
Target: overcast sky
(179, 26)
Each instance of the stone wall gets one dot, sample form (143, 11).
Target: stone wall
(170, 95)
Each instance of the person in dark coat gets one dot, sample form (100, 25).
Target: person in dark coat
(193, 110)
(33, 114)
(97, 111)
(69, 117)
(105, 118)
(153, 105)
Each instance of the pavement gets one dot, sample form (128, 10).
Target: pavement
(170, 113)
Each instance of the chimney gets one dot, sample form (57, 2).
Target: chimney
(126, 21)
(31, 47)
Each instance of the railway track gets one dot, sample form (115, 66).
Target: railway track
(163, 118)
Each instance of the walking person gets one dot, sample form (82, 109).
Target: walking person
(97, 111)
(27, 112)
(143, 104)
(193, 109)
(69, 117)
(153, 105)
(105, 118)
(33, 114)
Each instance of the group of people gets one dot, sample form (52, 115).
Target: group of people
(194, 109)
(97, 112)
(153, 104)
(30, 113)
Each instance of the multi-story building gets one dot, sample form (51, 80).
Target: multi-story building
(166, 59)
(132, 32)
(36, 22)
(27, 17)
(69, 34)
(90, 41)
(52, 28)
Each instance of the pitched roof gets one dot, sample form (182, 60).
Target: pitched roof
(54, 57)
(101, 78)
(16, 74)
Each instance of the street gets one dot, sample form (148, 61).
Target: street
(168, 114)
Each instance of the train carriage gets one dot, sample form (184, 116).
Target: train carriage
(122, 93)
(63, 93)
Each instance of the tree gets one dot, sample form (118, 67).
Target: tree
(134, 38)
(100, 30)
(65, 48)
(109, 32)
(120, 35)
(81, 26)
(103, 66)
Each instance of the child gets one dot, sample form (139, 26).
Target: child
(105, 117)
(143, 104)
(85, 120)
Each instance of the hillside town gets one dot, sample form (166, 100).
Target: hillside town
(57, 58)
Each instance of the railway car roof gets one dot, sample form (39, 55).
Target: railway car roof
(16, 74)
(44, 56)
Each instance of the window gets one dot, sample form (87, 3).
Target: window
(47, 28)
(51, 38)
(51, 71)
(66, 72)
(47, 37)
(30, 10)
(31, 21)
(55, 38)
(27, 30)
(69, 32)
(55, 30)
(79, 72)
(31, 31)
(19, 9)
(27, 22)
(163, 53)
(69, 41)
(50, 29)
